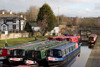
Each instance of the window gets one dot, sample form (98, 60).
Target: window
(14, 52)
(8, 52)
(4, 28)
(51, 53)
(59, 53)
(69, 49)
(66, 51)
(72, 48)
(14, 26)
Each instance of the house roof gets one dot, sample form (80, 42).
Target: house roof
(10, 16)
(33, 24)
(56, 25)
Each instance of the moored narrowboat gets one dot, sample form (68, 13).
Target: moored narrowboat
(63, 53)
(91, 40)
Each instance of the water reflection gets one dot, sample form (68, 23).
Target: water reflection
(81, 61)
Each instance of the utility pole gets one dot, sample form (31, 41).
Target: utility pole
(58, 15)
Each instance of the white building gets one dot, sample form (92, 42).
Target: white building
(11, 22)
(55, 31)
(35, 27)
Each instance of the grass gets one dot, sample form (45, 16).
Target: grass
(17, 41)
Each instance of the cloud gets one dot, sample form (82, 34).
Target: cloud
(87, 10)
(79, 1)
(97, 6)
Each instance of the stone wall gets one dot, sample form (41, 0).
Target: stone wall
(13, 35)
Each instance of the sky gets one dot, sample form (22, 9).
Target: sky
(70, 8)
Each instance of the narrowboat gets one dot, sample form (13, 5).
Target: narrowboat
(67, 38)
(63, 53)
(4, 53)
(92, 39)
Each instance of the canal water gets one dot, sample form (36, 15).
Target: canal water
(81, 60)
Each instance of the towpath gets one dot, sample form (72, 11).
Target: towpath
(94, 58)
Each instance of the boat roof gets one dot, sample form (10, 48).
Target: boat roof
(49, 46)
(92, 35)
(62, 47)
(30, 44)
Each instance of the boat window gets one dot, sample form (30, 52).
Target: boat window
(15, 53)
(91, 38)
(34, 54)
(37, 55)
(45, 53)
(29, 54)
(55, 53)
(8, 52)
(18, 52)
(51, 52)
(48, 53)
(59, 53)
(69, 49)
(64, 52)
(72, 48)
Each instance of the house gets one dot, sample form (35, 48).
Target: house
(55, 31)
(35, 27)
(10, 21)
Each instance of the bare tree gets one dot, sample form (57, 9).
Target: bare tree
(31, 14)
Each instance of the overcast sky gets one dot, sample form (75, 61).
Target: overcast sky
(71, 8)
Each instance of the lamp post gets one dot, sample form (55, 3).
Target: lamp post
(6, 33)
